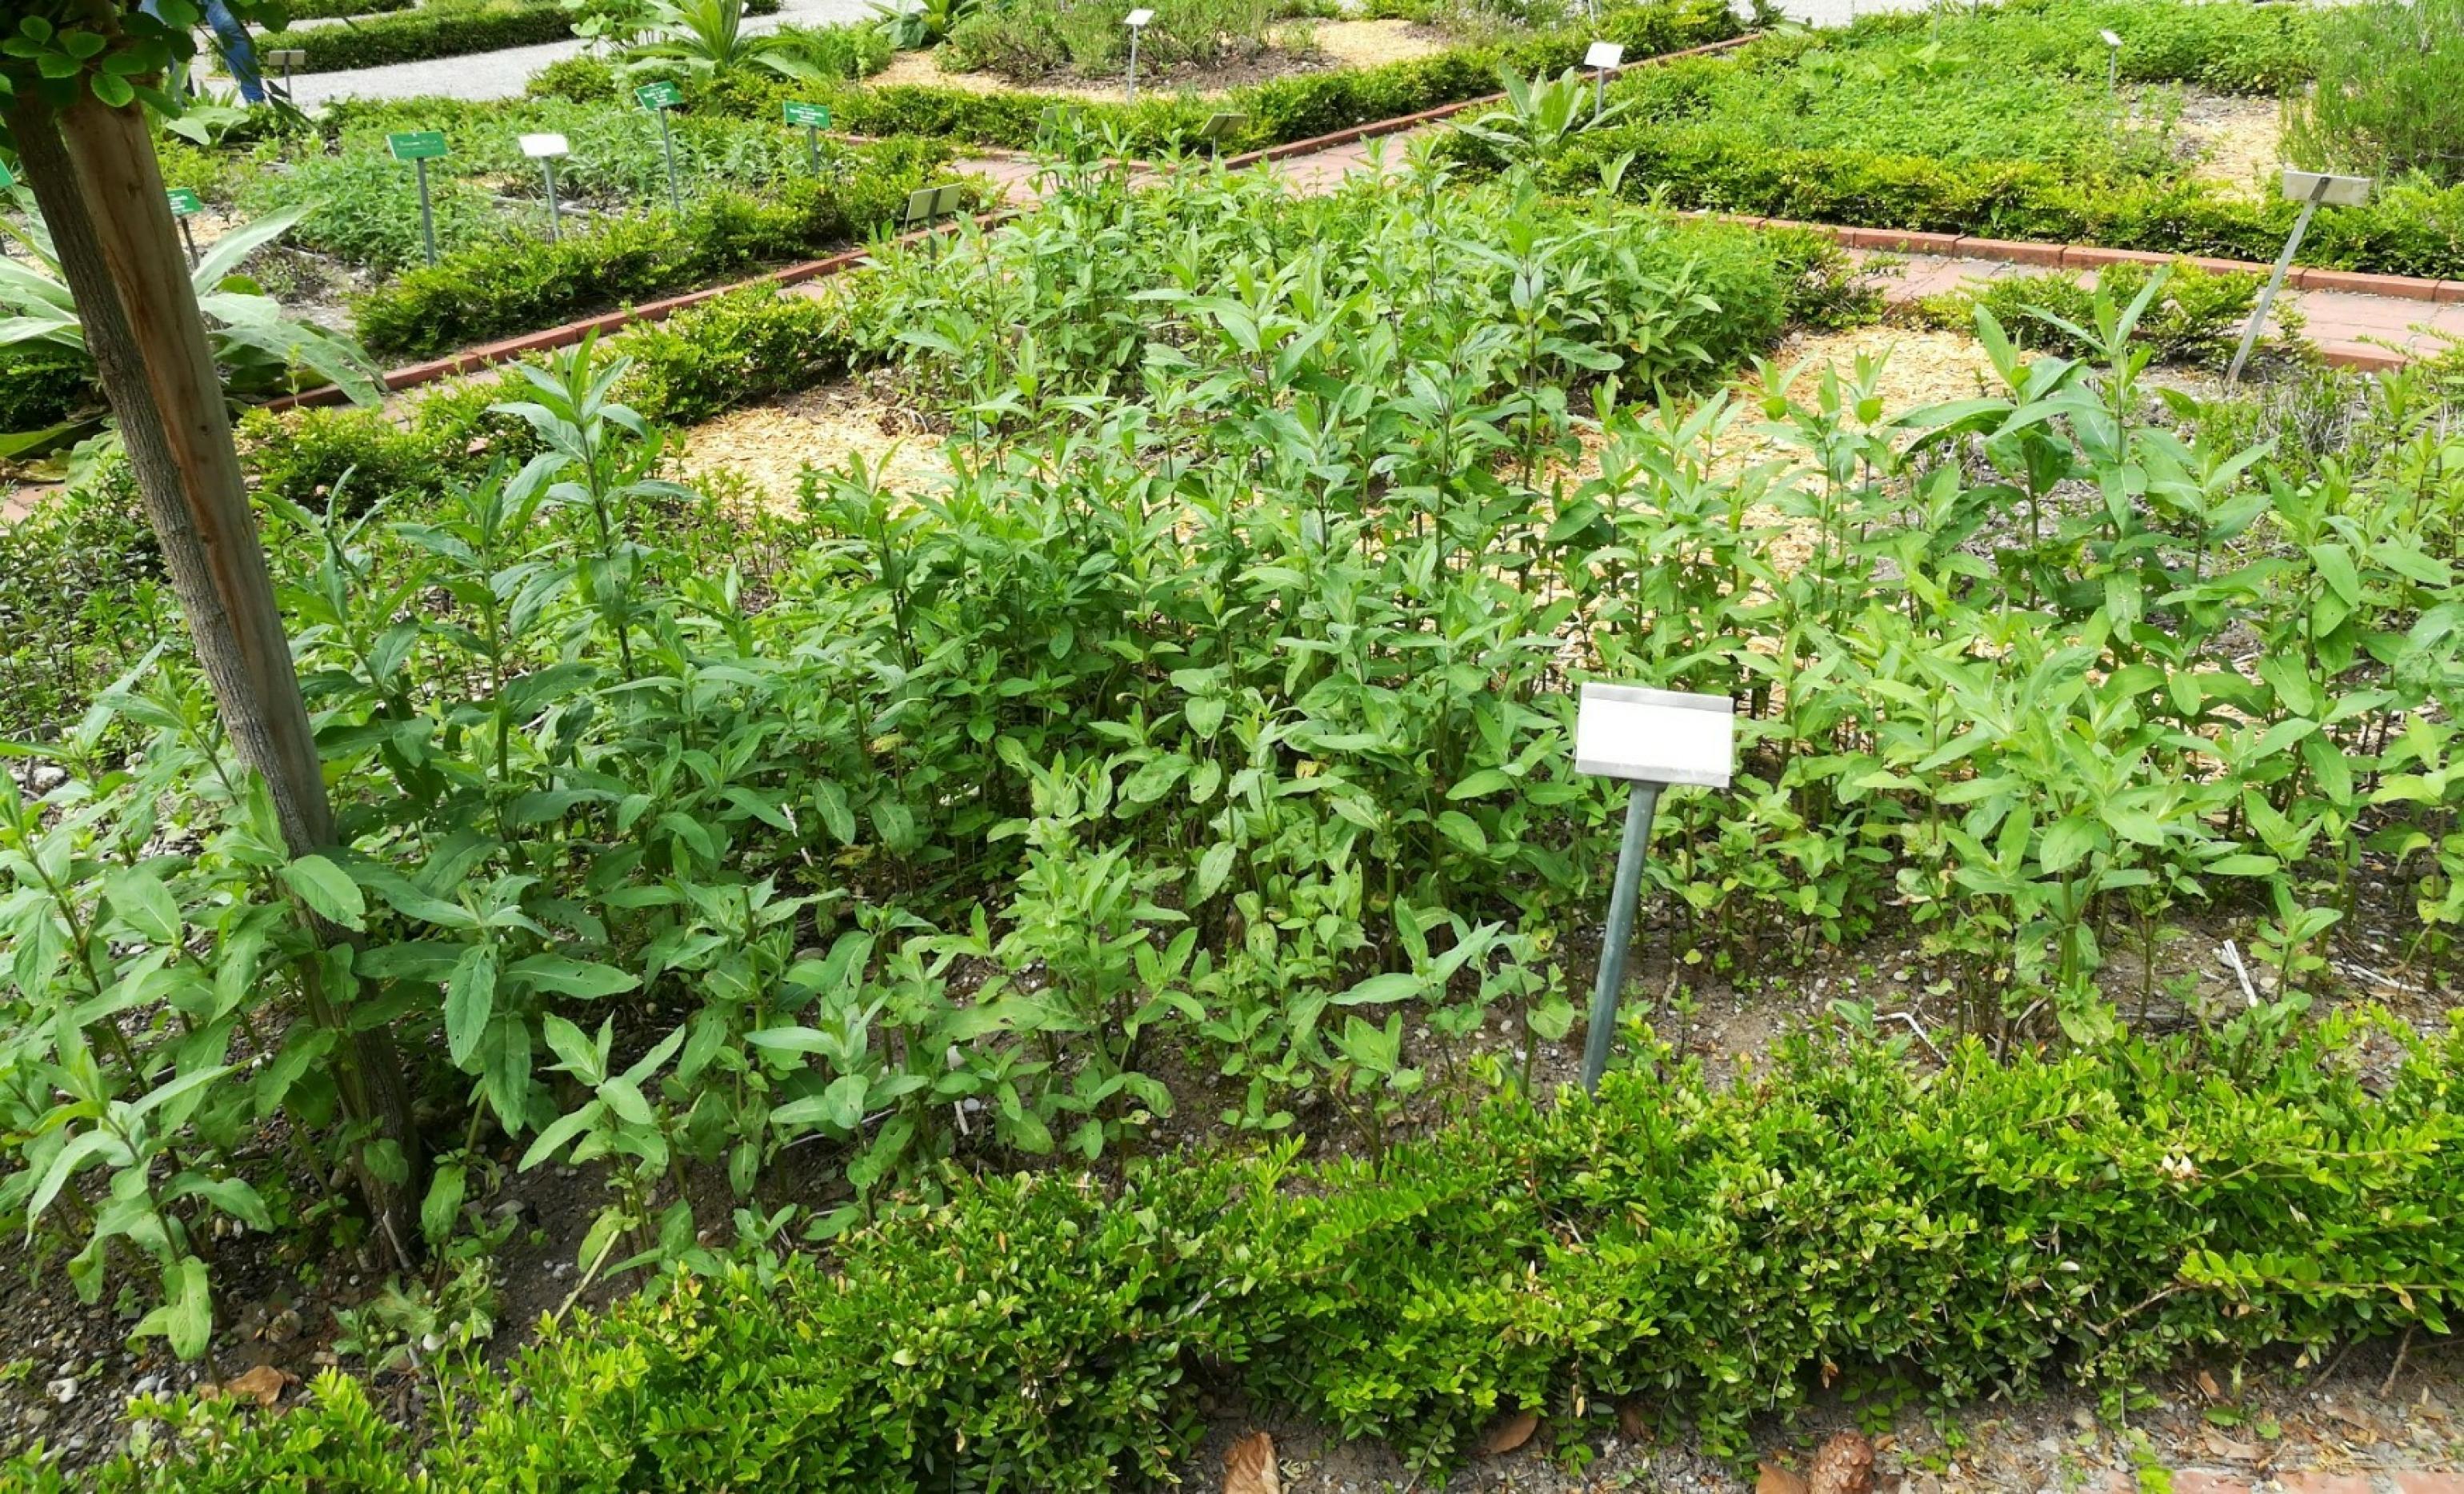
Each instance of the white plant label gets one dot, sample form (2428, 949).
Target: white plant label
(545, 147)
(1139, 17)
(2340, 192)
(1655, 735)
(1604, 55)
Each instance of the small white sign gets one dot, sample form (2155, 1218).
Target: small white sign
(2110, 39)
(1655, 735)
(1139, 17)
(542, 148)
(1604, 55)
(2339, 191)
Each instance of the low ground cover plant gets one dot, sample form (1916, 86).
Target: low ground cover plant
(1027, 39)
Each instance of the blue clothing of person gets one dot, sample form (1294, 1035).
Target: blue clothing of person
(238, 55)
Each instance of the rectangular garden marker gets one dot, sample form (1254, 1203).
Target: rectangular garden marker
(185, 205)
(545, 149)
(1137, 22)
(2112, 62)
(659, 98)
(2312, 189)
(1604, 59)
(418, 147)
(286, 58)
(813, 118)
(1220, 127)
(1651, 739)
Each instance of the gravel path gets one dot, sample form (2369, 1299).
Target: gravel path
(501, 74)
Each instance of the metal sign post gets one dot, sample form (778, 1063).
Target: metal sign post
(1604, 57)
(1220, 127)
(547, 150)
(1137, 22)
(659, 98)
(185, 205)
(2313, 191)
(418, 147)
(2112, 63)
(814, 117)
(287, 58)
(1651, 739)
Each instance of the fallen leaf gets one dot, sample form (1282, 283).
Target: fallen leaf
(1844, 1465)
(2207, 1383)
(1776, 1480)
(1630, 1422)
(1249, 1467)
(264, 1384)
(1511, 1433)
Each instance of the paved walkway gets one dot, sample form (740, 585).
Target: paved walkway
(2366, 330)
(502, 75)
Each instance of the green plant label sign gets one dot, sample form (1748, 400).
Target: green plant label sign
(184, 203)
(809, 116)
(659, 96)
(8, 180)
(417, 145)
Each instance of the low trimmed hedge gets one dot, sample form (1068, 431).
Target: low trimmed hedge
(2407, 230)
(501, 288)
(457, 28)
(1702, 1254)
(1281, 111)
(41, 386)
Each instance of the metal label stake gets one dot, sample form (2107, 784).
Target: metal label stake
(2313, 191)
(2112, 63)
(545, 149)
(185, 205)
(1137, 22)
(418, 147)
(659, 98)
(1651, 739)
(1604, 57)
(813, 118)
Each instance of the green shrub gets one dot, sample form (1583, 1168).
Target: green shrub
(2389, 96)
(1027, 39)
(42, 386)
(739, 349)
(339, 9)
(502, 288)
(2196, 319)
(1713, 1253)
(364, 211)
(2407, 231)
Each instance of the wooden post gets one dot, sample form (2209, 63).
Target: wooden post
(92, 171)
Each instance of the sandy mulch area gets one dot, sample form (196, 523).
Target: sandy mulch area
(923, 69)
(1366, 44)
(2238, 141)
(768, 447)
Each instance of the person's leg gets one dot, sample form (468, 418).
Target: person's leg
(238, 55)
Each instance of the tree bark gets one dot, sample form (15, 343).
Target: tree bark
(92, 171)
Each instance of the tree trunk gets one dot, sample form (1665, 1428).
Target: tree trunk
(92, 171)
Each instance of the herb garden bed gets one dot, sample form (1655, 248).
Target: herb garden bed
(1021, 946)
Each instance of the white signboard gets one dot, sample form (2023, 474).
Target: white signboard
(2341, 191)
(544, 148)
(1655, 735)
(1139, 17)
(1604, 55)
(2110, 39)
